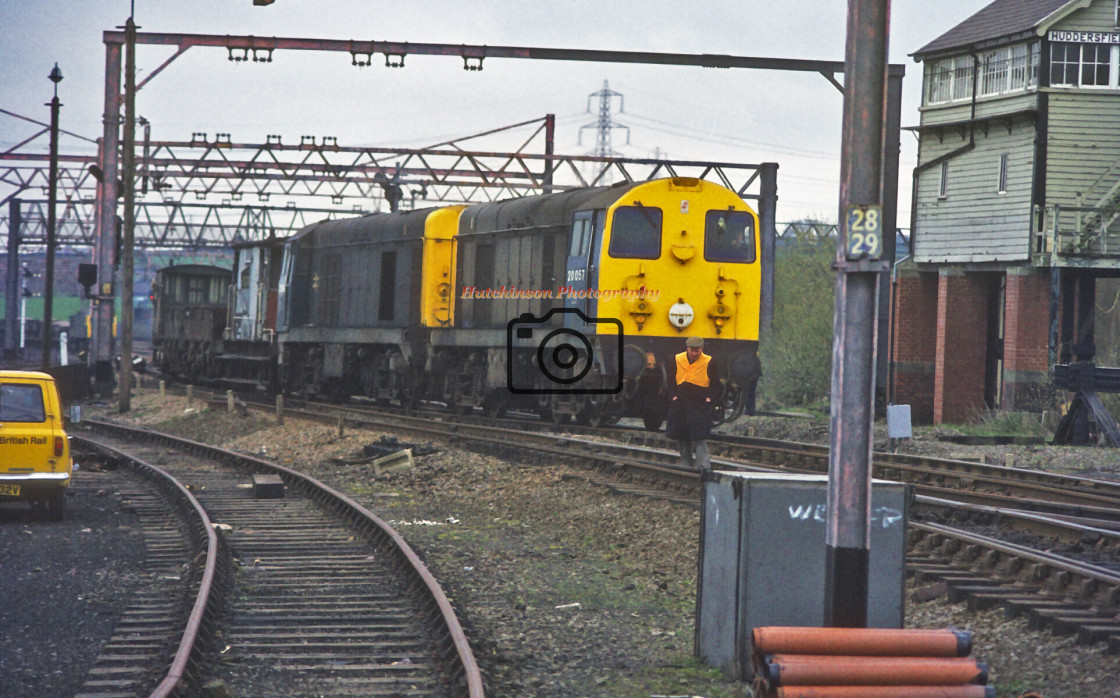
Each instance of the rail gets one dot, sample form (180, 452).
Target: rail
(188, 650)
(446, 621)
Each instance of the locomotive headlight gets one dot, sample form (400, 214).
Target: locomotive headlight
(680, 315)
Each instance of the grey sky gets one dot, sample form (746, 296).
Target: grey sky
(734, 115)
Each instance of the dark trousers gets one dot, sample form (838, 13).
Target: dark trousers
(701, 459)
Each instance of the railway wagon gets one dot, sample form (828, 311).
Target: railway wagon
(189, 317)
(247, 358)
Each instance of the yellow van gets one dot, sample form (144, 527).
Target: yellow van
(35, 463)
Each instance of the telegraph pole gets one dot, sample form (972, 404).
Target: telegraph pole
(101, 320)
(52, 198)
(128, 177)
(859, 261)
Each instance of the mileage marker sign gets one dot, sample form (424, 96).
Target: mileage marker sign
(865, 231)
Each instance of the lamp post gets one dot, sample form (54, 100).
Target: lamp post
(52, 196)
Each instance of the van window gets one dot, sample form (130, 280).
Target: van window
(636, 232)
(729, 236)
(21, 403)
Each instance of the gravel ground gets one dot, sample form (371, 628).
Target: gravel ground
(64, 585)
(569, 590)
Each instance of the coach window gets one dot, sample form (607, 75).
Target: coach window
(1002, 183)
(636, 232)
(197, 290)
(218, 288)
(173, 289)
(729, 236)
(943, 183)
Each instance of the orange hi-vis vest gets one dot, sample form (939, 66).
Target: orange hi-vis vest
(695, 373)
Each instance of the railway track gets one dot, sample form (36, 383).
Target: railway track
(320, 597)
(178, 575)
(960, 524)
(963, 512)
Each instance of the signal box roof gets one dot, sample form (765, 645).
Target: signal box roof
(1001, 22)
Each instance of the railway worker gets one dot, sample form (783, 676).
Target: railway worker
(690, 410)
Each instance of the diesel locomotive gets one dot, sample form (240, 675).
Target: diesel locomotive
(571, 305)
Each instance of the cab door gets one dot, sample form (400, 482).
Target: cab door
(582, 276)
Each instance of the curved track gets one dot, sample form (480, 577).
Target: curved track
(322, 597)
(164, 616)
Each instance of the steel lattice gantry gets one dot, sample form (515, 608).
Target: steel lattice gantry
(204, 193)
(244, 48)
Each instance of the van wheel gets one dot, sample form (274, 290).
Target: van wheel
(56, 505)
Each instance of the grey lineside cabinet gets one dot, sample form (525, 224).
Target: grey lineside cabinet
(762, 560)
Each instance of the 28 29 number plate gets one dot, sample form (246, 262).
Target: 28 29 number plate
(865, 231)
(9, 490)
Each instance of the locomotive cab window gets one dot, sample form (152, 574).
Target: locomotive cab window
(729, 236)
(636, 232)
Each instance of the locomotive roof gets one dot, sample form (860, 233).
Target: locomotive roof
(380, 226)
(539, 210)
(271, 240)
(195, 270)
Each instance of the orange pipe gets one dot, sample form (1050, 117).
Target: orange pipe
(885, 692)
(862, 641)
(832, 670)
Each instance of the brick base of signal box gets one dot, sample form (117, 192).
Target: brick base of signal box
(940, 341)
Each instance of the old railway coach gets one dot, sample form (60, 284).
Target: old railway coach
(570, 305)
